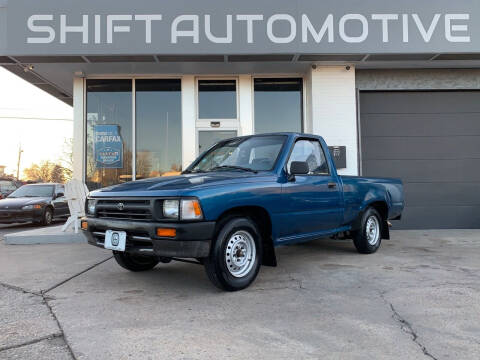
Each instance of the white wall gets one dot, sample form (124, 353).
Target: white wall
(78, 129)
(245, 98)
(333, 110)
(188, 120)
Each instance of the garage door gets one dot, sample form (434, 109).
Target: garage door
(430, 140)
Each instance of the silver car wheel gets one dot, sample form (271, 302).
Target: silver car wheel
(240, 253)
(372, 230)
(48, 217)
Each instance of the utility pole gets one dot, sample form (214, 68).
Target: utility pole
(20, 151)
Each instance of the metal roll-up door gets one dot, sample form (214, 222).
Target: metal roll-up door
(430, 140)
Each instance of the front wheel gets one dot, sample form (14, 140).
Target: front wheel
(47, 217)
(134, 263)
(234, 259)
(368, 238)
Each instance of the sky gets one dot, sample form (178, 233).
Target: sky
(33, 118)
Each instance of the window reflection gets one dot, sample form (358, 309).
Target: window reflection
(278, 105)
(159, 132)
(109, 132)
(217, 99)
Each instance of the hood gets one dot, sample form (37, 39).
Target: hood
(17, 203)
(181, 182)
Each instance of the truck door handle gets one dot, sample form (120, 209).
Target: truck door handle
(331, 185)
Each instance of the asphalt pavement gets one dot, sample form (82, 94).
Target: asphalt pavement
(418, 297)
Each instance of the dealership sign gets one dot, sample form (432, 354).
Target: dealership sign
(42, 27)
(108, 147)
(237, 27)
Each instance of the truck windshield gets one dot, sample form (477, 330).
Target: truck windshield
(33, 191)
(258, 153)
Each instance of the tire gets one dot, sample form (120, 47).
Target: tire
(47, 217)
(367, 240)
(135, 263)
(235, 270)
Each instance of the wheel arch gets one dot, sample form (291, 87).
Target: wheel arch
(261, 217)
(381, 207)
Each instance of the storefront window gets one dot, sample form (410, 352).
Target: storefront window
(278, 105)
(217, 99)
(159, 131)
(109, 132)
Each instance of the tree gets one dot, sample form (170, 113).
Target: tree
(47, 171)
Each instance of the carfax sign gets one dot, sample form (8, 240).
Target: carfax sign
(108, 147)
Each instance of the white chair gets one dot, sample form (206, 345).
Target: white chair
(76, 193)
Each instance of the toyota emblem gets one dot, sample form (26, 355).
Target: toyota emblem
(115, 239)
(120, 206)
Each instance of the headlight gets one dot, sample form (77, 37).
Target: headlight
(91, 205)
(31, 207)
(170, 209)
(191, 210)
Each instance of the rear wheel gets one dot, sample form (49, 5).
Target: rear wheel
(134, 263)
(234, 259)
(368, 238)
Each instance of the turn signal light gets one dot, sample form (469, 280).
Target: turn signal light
(84, 225)
(166, 232)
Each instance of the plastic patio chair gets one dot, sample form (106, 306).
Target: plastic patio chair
(76, 193)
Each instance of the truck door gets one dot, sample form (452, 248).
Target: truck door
(313, 201)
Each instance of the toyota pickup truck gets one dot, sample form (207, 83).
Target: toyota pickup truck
(236, 203)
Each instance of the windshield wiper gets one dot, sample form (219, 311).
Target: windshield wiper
(193, 171)
(233, 167)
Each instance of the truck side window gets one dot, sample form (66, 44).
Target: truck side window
(311, 152)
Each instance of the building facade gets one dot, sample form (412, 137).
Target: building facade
(393, 87)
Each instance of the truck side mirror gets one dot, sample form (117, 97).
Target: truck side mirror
(298, 168)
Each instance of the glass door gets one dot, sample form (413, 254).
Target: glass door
(217, 111)
(206, 138)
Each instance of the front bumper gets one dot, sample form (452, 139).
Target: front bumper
(192, 240)
(19, 216)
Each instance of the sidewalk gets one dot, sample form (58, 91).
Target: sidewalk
(46, 235)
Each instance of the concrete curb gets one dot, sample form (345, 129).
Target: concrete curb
(52, 235)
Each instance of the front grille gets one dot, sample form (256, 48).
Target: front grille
(125, 209)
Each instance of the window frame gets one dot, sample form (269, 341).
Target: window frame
(134, 117)
(133, 79)
(85, 121)
(205, 122)
(321, 148)
(303, 116)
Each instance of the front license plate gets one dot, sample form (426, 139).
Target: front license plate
(115, 240)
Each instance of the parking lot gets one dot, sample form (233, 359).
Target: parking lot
(418, 297)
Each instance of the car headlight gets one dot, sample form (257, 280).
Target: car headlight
(31, 207)
(91, 206)
(185, 209)
(170, 209)
(191, 210)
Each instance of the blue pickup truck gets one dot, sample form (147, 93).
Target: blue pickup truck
(237, 202)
